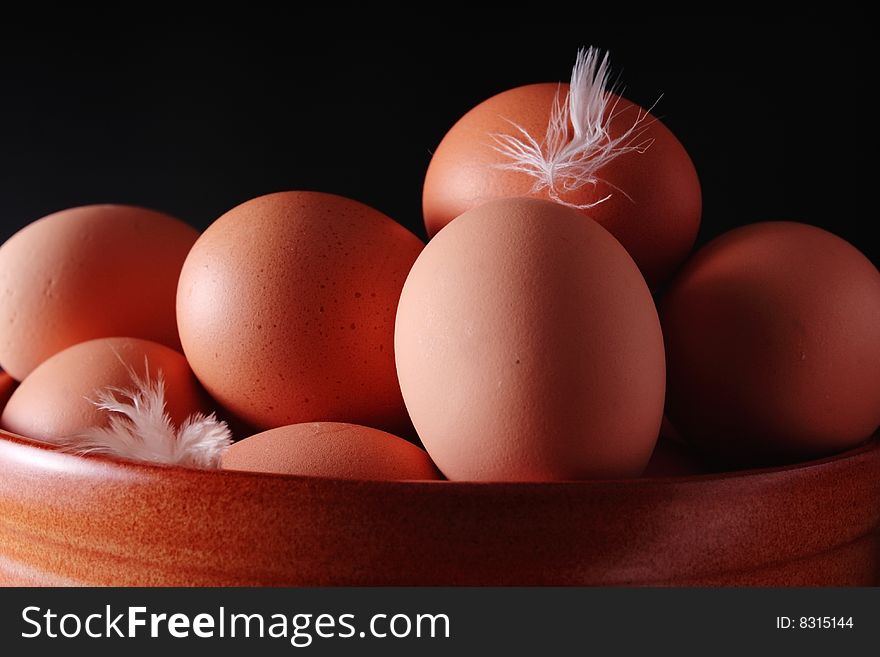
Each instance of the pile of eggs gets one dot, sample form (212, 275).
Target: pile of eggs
(549, 330)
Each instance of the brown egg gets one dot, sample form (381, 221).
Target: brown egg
(654, 201)
(330, 449)
(286, 310)
(773, 346)
(528, 348)
(89, 272)
(53, 402)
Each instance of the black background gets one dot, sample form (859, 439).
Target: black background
(484, 621)
(195, 118)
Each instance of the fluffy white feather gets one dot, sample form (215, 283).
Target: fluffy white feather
(139, 428)
(577, 143)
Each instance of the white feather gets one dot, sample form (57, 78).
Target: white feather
(139, 428)
(578, 143)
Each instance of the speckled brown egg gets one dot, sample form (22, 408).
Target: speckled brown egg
(773, 346)
(528, 348)
(653, 204)
(331, 449)
(286, 310)
(89, 272)
(54, 401)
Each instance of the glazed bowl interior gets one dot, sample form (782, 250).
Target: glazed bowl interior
(67, 519)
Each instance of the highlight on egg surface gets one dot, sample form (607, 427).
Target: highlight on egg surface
(89, 272)
(331, 449)
(528, 348)
(579, 144)
(773, 346)
(286, 310)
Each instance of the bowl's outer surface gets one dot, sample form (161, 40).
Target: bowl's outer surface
(72, 520)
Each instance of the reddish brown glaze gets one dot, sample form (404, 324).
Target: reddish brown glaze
(75, 520)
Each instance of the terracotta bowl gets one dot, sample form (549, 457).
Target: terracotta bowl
(90, 520)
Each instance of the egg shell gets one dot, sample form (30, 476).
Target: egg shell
(331, 449)
(53, 402)
(655, 204)
(773, 346)
(89, 272)
(286, 309)
(528, 348)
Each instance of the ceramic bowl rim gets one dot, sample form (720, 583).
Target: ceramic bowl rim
(148, 469)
